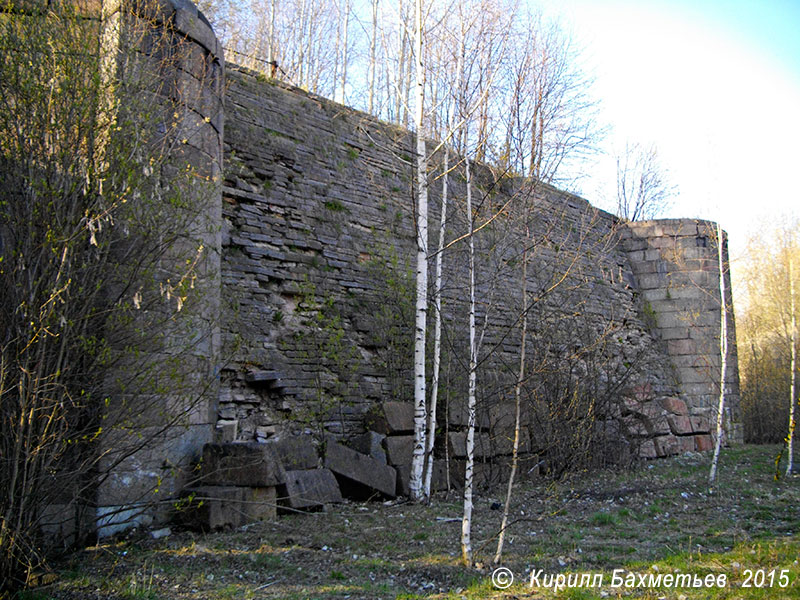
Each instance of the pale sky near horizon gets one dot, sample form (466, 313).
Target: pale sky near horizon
(714, 84)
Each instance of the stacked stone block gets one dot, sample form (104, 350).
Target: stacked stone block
(189, 96)
(677, 271)
(317, 205)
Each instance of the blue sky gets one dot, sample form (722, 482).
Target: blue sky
(714, 85)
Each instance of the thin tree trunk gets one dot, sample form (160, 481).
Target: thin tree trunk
(437, 336)
(466, 522)
(344, 49)
(401, 60)
(723, 354)
(372, 59)
(517, 405)
(270, 56)
(793, 363)
(418, 457)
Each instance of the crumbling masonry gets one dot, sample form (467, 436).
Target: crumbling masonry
(313, 231)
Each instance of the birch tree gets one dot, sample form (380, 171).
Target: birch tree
(792, 366)
(420, 413)
(723, 354)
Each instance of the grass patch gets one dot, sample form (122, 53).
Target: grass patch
(659, 519)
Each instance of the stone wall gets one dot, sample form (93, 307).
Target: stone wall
(677, 270)
(307, 317)
(187, 103)
(318, 245)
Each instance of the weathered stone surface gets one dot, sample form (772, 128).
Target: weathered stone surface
(674, 405)
(391, 418)
(371, 444)
(484, 474)
(679, 424)
(687, 443)
(703, 443)
(272, 379)
(250, 464)
(360, 468)
(647, 449)
(635, 426)
(485, 445)
(700, 424)
(301, 223)
(210, 508)
(399, 449)
(458, 415)
(226, 431)
(667, 445)
(296, 452)
(310, 489)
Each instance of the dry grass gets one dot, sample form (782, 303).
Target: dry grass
(660, 517)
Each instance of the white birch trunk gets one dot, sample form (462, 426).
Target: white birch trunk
(466, 522)
(344, 49)
(418, 457)
(372, 58)
(437, 338)
(401, 58)
(517, 407)
(723, 355)
(270, 56)
(793, 364)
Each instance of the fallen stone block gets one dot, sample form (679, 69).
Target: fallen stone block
(248, 465)
(399, 449)
(209, 508)
(391, 418)
(310, 489)
(371, 444)
(361, 469)
(296, 452)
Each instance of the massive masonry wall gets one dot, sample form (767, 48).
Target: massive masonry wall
(187, 54)
(677, 270)
(318, 243)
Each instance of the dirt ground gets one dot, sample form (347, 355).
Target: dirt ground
(659, 518)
